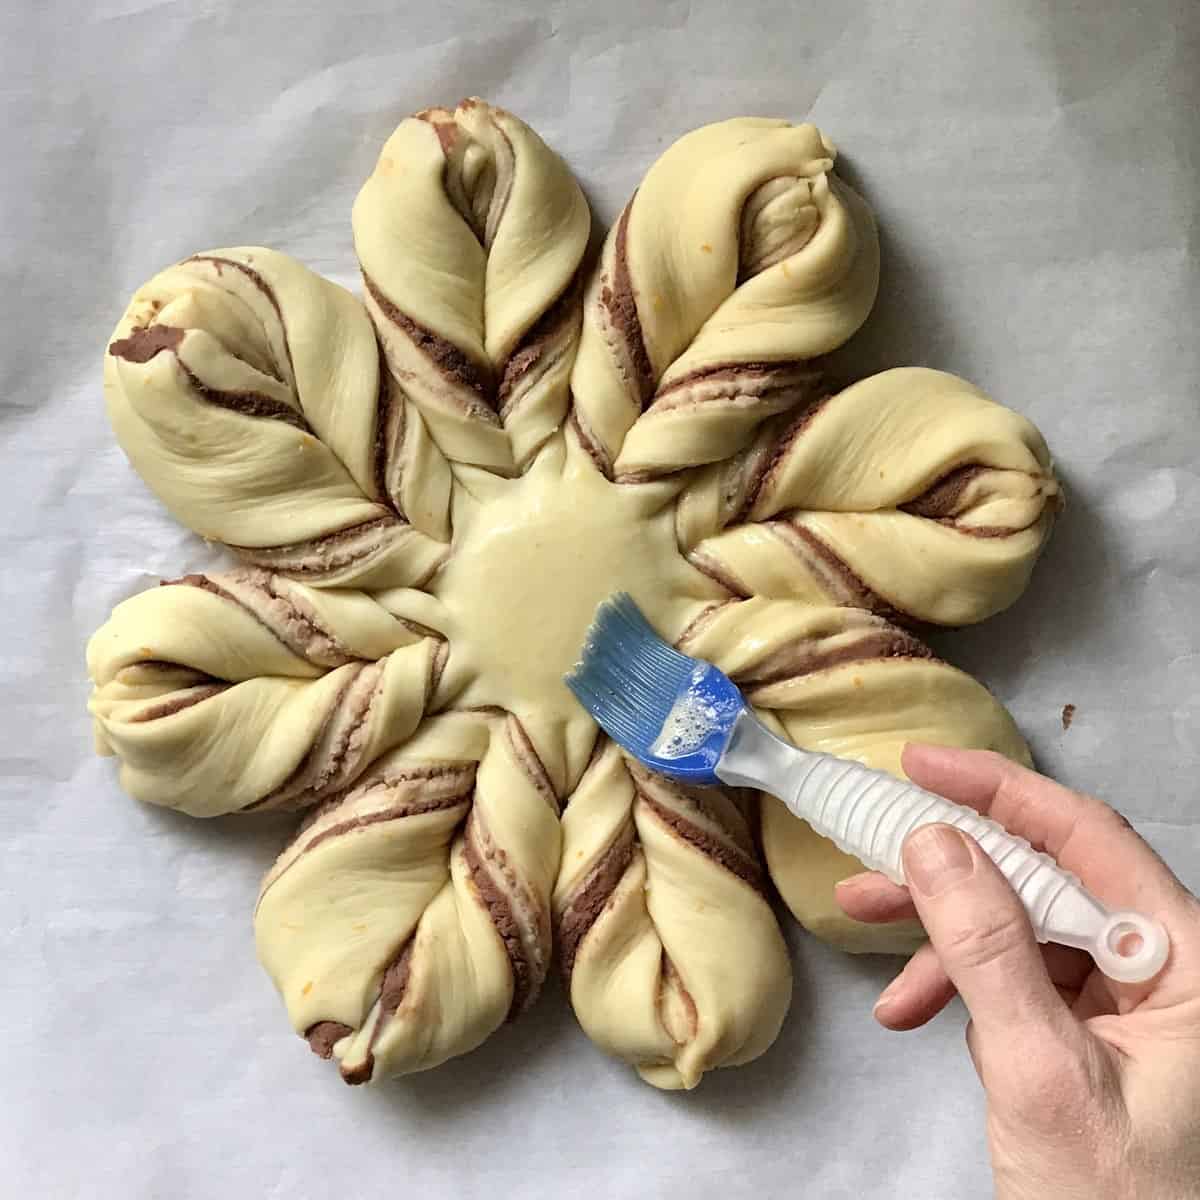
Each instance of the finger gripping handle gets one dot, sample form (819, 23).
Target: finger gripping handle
(869, 814)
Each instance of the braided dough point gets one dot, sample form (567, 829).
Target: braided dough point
(243, 691)
(246, 392)
(910, 493)
(410, 917)
(673, 957)
(849, 683)
(470, 233)
(738, 261)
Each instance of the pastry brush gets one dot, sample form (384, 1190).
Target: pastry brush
(685, 718)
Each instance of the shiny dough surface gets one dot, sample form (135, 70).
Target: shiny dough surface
(429, 490)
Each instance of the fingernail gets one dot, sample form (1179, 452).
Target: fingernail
(886, 996)
(935, 858)
(852, 881)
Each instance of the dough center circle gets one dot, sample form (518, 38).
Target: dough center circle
(533, 558)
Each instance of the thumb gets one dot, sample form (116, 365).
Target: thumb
(981, 934)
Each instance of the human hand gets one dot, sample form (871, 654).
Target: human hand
(1093, 1087)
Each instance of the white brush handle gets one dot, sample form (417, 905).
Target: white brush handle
(869, 814)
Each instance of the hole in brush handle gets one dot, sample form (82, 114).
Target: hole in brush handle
(1131, 948)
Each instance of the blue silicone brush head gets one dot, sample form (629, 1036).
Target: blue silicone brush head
(672, 712)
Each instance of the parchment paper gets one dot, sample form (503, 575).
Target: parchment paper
(1034, 170)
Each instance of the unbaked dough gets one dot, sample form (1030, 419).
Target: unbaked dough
(429, 492)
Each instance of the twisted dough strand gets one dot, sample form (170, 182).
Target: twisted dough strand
(246, 391)
(910, 493)
(673, 958)
(245, 690)
(739, 260)
(410, 917)
(470, 233)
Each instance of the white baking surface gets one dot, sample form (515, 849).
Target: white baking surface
(1034, 169)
